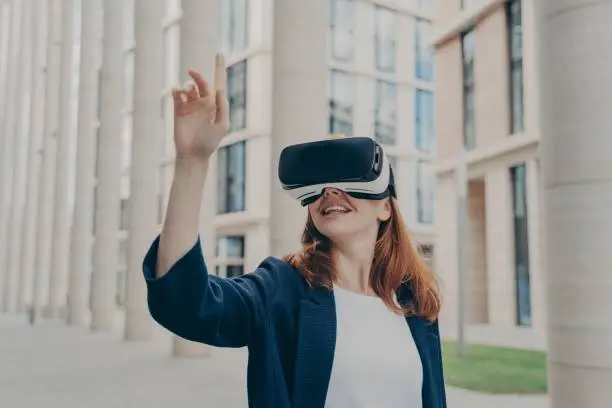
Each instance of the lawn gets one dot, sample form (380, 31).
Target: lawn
(495, 370)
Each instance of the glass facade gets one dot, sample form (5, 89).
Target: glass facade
(341, 37)
(469, 109)
(515, 47)
(341, 99)
(231, 178)
(521, 245)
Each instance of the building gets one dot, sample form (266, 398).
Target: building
(371, 69)
(380, 84)
(487, 117)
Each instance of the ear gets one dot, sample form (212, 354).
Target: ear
(384, 210)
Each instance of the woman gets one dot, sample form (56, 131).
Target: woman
(349, 321)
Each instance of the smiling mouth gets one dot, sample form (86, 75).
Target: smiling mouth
(335, 209)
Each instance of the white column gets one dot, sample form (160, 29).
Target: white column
(87, 118)
(44, 236)
(108, 171)
(19, 175)
(576, 146)
(199, 44)
(147, 135)
(536, 279)
(5, 31)
(58, 286)
(7, 140)
(299, 102)
(27, 250)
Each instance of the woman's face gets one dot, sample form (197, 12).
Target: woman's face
(337, 215)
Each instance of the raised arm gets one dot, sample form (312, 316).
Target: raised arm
(201, 120)
(182, 296)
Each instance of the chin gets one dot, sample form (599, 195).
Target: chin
(338, 228)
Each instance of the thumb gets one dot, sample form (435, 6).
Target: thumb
(222, 114)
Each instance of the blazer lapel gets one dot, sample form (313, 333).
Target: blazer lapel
(315, 348)
(426, 344)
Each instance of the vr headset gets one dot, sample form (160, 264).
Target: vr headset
(356, 165)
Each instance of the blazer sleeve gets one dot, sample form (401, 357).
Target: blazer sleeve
(192, 304)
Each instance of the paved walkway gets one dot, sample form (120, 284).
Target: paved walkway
(52, 365)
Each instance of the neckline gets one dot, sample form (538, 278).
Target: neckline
(356, 294)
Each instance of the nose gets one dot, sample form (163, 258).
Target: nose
(331, 191)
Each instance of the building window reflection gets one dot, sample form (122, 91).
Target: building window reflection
(231, 178)
(341, 41)
(385, 40)
(341, 99)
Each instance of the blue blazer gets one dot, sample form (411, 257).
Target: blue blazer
(288, 327)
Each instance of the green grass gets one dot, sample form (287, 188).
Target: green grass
(495, 370)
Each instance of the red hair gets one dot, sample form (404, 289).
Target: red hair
(396, 262)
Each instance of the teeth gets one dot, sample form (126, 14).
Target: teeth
(335, 208)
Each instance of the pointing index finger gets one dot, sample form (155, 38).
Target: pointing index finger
(220, 73)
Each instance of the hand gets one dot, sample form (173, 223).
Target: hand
(201, 116)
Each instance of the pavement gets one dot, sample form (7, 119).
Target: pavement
(53, 365)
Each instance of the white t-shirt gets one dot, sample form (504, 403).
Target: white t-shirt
(376, 363)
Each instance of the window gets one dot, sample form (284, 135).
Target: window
(521, 245)
(341, 94)
(423, 53)
(231, 175)
(230, 256)
(515, 35)
(236, 91)
(424, 120)
(234, 25)
(425, 192)
(469, 128)
(385, 113)
(341, 29)
(385, 23)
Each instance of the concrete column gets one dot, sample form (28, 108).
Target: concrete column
(576, 94)
(44, 237)
(87, 116)
(299, 102)
(199, 33)
(19, 173)
(58, 286)
(148, 132)
(501, 278)
(5, 38)
(538, 301)
(27, 250)
(7, 142)
(108, 190)
(5, 31)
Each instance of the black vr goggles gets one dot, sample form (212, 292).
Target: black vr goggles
(355, 165)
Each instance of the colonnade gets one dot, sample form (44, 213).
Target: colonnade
(63, 110)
